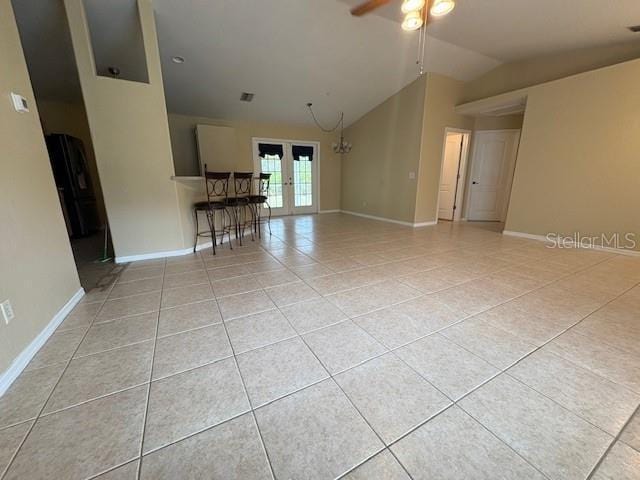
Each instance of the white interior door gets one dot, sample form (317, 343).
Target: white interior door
(449, 176)
(294, 170)
(493, 163)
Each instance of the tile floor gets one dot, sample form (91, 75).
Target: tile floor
(342, 347)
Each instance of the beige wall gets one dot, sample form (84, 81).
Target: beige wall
(402, 135)
(386, 149)
(505, 122)
(577, 167)
(71, 119)
(186, 157)
(443, 94)
(130, 134)
(38, 272)
(515, 75)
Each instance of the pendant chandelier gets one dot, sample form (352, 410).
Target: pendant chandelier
(342, 146)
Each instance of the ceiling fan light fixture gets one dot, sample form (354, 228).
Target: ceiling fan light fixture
(412, 21)
(412, 6)
(442, 7)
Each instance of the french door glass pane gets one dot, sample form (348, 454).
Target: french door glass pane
(302, 182)
(273, 164)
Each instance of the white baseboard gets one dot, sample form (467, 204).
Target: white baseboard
(202, 246)
(425, 224)
(153, 255)
(543, 238)
(381, 219)
(23, 359)
(530, 236)
(389, 220)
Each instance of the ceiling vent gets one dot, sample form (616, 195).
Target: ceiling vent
(246, 97)
(634, 28)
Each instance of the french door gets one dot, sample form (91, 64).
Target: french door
(293, 188)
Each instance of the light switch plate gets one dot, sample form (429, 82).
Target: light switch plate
(412, 175)
(7, 311)
(19, 103)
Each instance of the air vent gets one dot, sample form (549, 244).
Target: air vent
(246, 97)
(634, 28)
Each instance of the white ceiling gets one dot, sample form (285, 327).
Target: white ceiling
(289, 52)
(512, 30)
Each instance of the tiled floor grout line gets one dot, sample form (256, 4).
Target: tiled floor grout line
(244, 389)
(37, 417)
(503, 442)
(499, 372)
(615, 440)
(505, 372)
(289, 268)
(332, 378)
(291, 393)
(610, 345)
(149, 382)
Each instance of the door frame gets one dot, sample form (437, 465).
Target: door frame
(462, 169)
(316, 176)
(510, 176)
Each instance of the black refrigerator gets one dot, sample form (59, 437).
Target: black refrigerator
(69, 164)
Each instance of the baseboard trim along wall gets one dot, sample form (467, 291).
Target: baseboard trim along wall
(187, 251)
(424, 224)
(154, 255)
(23, 359)
(389, 220)
(568, 240)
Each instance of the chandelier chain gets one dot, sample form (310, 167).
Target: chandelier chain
(326, 130)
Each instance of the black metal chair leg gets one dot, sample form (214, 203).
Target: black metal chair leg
(250, 210)
(269, 221)
(211, 218)
(258, 220)
(195, 242)
(238, 220)
(227, 228)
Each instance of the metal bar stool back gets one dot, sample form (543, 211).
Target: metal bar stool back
(217, 188)
(260, 199)
(242, 186)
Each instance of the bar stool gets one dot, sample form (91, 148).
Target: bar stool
(261, 198)
(217, 184)
(239, 203)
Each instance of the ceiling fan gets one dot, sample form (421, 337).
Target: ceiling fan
(416, 11)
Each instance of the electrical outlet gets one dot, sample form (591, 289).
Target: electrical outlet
(7, 311)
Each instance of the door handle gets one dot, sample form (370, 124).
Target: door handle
(475, 183)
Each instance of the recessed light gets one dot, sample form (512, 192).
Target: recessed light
(177, 59)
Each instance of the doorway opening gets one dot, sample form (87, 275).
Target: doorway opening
(493, 162)
(295, 172)
(452, 174)
(67, 135)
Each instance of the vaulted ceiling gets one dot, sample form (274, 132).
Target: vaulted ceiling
(289, 52)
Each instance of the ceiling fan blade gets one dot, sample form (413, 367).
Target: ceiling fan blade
(367, 7)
